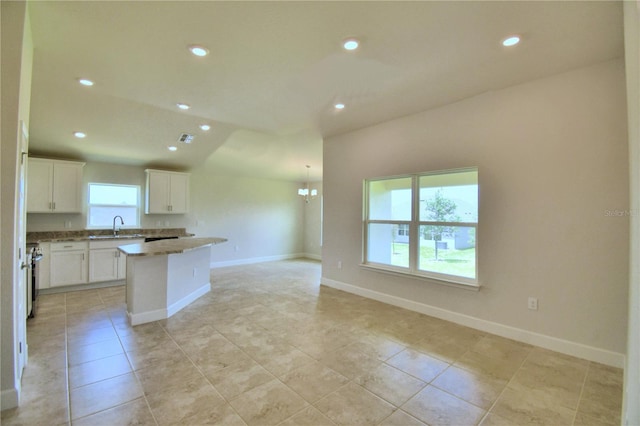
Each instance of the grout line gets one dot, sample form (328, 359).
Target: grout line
(584, 383)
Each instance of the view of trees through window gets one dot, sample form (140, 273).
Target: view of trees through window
(433, 215)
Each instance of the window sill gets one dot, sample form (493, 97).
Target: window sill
(449, 282)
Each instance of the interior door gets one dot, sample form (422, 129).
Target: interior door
(23, 262)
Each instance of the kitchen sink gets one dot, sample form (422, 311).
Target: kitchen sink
(115, 237)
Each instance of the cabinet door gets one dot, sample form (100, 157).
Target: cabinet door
(68, 267)
(179, 193)
(39, 186)
(157, 193)
(103, 265)
(67, 188)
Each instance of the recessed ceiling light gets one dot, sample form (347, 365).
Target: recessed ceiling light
(85, 82)
(205, 127)
(183, 106)
(172, 148)
(350, 44)
(339, 106)
(199, 50)
(511, 41)
(80, 135)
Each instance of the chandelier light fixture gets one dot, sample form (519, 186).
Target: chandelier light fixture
(305, 192)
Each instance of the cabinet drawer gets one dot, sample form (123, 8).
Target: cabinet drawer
(69, 245)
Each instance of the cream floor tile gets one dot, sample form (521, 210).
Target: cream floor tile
(220, 415)
(268, 404)
(309, 416)
(135, 412)
(390, 384)
(350, 362)
(559, 384)
(400, 418)
(478, 389)
(105, 394)
(176, 404)
(91, 335)
(354, 405)
(101, 369)
(282, 360)
(46, 410)
(417, 364)
(600, 394)
(238, 378)
(162, 355)
(378, 346)
(85, 353)
(524, 408)
(314, 380)
(436, 407)
(157, 378)
(285, 322)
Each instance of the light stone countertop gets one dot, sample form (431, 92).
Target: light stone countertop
(162, 247)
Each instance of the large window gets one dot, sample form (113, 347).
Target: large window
(423, 224)
(107, 201)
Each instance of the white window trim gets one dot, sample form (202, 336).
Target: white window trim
(138, 206)
(414, 225)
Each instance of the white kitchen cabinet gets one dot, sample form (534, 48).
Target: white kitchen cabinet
(166, 192)
(69, 261)
(106, 262)
(54, 186)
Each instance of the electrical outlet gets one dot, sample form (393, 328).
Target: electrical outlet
(236, 248)
(533, 303)
(195, 271)
(339, 264)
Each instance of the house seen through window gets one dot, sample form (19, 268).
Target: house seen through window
(423, 224)
(109, 200)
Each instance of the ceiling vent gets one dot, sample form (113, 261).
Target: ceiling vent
(186, 138)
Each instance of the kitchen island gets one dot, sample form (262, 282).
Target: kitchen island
(165, 276)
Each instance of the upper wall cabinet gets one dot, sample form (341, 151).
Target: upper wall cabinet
(166, 192)
(54, 186)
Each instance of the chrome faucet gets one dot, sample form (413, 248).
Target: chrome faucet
(115, 233)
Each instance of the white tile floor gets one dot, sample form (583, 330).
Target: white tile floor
(269, 346)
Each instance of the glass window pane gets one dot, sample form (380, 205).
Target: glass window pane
(103, 216)
(390, 199)
(448, 250)
(449, 197)
(113, 194)
(387, 246)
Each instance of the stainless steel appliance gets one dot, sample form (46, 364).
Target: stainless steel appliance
(32, 286)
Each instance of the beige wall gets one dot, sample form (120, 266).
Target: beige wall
(552, 159)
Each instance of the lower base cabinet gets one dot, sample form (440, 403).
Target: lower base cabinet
(69, 263)
(106, 262)
(81, 262)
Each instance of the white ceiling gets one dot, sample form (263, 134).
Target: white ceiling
(276, 69)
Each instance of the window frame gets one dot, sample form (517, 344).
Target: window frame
(137, 207)
(415, 225)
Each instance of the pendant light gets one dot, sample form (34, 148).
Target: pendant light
(305, 192)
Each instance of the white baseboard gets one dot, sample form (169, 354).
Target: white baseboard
(191, 297)
(9, 399)
(567, 347)
(252, 260)
(312, 256)
(158, 314)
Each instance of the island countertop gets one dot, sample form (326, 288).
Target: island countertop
(162, 247)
